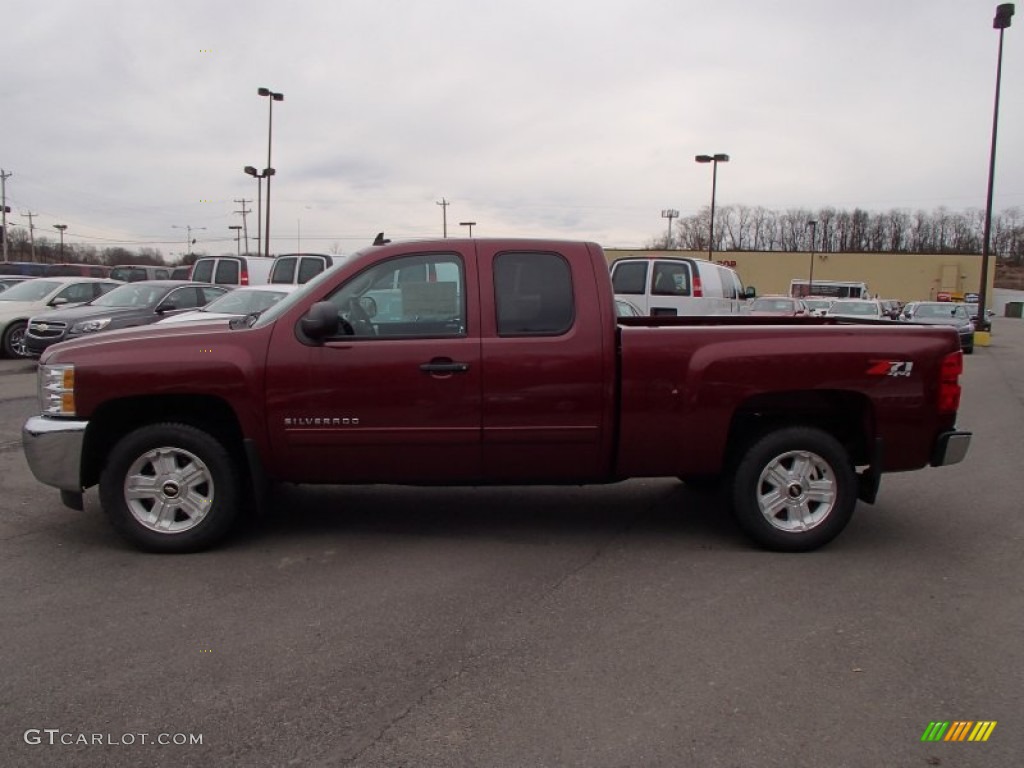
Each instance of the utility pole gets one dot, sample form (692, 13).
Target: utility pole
(245, 224)
(444, 216)
(31, 233)
(189, 240)
(3, 205)
(61, 228)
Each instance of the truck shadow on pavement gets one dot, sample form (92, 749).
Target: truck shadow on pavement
(661, 507)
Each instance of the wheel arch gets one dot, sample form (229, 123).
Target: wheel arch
(117, 418)
(847, 416)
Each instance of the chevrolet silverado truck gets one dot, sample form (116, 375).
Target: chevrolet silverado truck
(480, 361)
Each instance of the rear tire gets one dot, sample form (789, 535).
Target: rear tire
(170, 488)
(794, 489)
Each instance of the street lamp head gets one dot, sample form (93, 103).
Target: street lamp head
(251, 170)
(721, 158)
(271, 94)
(703, 158)
(1004, 13)
(812, 223)
(269, 171)
(61, 227)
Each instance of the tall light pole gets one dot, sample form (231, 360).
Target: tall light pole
(61, 228)
(810, 278)
(238, 237)
(271, 98)
(469, 224)
(189, 240)
(1004, 13)
(669, 213)
(259, 201)
(714, 160)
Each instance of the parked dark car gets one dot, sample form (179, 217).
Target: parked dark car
(947, 313)
(129, 305)
(73, 270)
(779, 306)
(6, 281)
(133, 273)
(28, 268)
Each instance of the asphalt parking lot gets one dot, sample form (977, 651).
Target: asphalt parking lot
(628, 625)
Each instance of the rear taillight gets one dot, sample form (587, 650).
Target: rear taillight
(949, 382)
(698, 289)
(244, 277)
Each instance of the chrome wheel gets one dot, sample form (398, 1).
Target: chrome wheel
(14, 340)
(796, 491)
(168, 490)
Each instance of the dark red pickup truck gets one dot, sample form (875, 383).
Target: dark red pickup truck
(477, 361)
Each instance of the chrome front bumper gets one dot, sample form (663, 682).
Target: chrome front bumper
(53, 448)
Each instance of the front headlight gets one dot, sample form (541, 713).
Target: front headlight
(88, 326)
(57, 390)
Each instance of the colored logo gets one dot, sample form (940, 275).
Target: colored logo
(959, 730)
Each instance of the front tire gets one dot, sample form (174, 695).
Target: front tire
(14, 339)
(170, 488)
(794, 489)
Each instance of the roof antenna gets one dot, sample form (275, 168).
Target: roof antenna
(380, 239)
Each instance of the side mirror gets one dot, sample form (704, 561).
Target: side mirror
(750, 292)
(60, 301)
(369, 305)
(321, 321)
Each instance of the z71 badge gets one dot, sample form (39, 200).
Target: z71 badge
(890, 368)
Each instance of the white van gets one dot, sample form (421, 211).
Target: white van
(287, 269)
(233, 270)
(671, 285)
(298, 268)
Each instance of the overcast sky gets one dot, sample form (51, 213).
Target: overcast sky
(565, 118)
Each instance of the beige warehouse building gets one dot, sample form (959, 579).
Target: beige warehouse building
(903, 276)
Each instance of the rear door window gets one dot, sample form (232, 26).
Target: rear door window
(533, 294)
(630, 278)
(228, 272)
(202, 272)
(310, 267)
(671, 279)
(284, 271)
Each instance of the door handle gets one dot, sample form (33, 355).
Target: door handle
(444, 366)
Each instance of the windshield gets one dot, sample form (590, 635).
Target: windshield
(772, 305)
(134, 295)
(942, 311)
(243, 302)
(865, 308)
(30, 290)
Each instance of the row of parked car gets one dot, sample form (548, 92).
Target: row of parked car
(42, 311)
(287, 269)
(963, 317)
